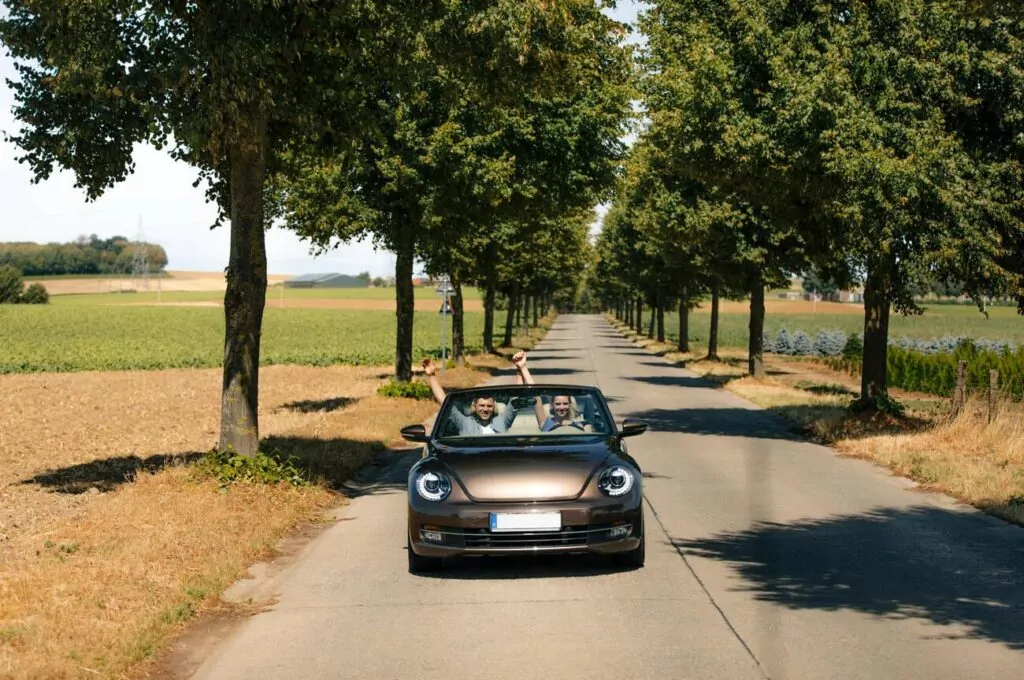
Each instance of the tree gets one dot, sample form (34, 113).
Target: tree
(228, 86)
(840, 122)
(462, 170)
(11, 285)
(814, 282)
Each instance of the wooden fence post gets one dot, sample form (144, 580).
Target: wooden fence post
(993, 389)
(960, 390)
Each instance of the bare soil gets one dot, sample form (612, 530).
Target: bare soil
(273, 301)
(175, 281)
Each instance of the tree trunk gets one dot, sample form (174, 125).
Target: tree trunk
(713, 336)
(489, 291)
(661, 320)
(245, 296)
(652, 320)
(639, 316)
(684, 324)
(536, 312)
(458, 323)
(629, 312)
(874, 385)
(404, 301)
(755, 344)
(513, 304)
(518, 312)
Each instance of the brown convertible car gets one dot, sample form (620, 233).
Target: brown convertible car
(524, 469)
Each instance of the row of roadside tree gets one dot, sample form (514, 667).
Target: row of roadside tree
(876, 143)
(473, 135)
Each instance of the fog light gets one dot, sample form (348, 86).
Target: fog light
(431, 536)
(620, 531)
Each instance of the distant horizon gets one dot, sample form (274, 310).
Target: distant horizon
(157, 202)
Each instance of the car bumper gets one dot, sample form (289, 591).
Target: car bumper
(453, 530)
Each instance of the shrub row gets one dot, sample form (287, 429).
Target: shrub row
(799, 343)
(935, 373)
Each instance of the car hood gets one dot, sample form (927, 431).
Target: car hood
(542, 473)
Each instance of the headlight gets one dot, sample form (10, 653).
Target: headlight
(433, 486)
(616, 481)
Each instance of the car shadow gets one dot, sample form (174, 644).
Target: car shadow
(516, 567)
(923, 562)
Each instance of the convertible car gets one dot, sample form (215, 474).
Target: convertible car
(524, 469)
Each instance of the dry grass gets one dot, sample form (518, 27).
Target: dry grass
(969, 458)
(110, 544)
(978, 462)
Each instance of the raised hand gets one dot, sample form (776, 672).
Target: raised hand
(519, 359)
(428, 367)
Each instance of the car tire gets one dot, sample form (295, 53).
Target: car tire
(419, 564)
(634, 559)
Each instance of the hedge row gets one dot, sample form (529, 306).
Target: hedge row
(936, 373)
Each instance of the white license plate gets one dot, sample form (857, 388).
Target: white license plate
(526, 521)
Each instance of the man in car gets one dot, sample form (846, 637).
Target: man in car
(482, 419)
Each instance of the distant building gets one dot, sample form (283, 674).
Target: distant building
(847, 296)
(326, 281)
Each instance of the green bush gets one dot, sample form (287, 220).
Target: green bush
(229, 467)
(11, 284)
(936, 373)
(409, 390)
(35, 294)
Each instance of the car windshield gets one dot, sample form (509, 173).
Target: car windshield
(534, 411)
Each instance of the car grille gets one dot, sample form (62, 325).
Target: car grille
(566, 537)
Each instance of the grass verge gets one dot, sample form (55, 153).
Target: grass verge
(967, 457)
(114, 536)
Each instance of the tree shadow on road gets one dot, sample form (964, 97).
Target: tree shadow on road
(723, 422)
(540, 371)
(923, 563)
(545, 356)
(675, 381)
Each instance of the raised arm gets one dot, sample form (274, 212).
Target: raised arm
(523, 376)
(430, 370)
(523, 372)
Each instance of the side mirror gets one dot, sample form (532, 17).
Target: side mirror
(631, 428)
(415, 433)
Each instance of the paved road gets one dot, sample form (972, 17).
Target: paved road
(767, 557)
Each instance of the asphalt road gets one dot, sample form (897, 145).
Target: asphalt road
(767, 557)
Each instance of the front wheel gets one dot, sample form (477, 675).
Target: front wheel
(419, 564)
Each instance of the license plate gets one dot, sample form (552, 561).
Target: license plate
(526, 521)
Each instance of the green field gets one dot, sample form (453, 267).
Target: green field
(273, 295)
(94, 337)
(937, 321)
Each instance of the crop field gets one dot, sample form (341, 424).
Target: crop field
(94, 337)
(938, 320)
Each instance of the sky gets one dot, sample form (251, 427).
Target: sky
(159, 203)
